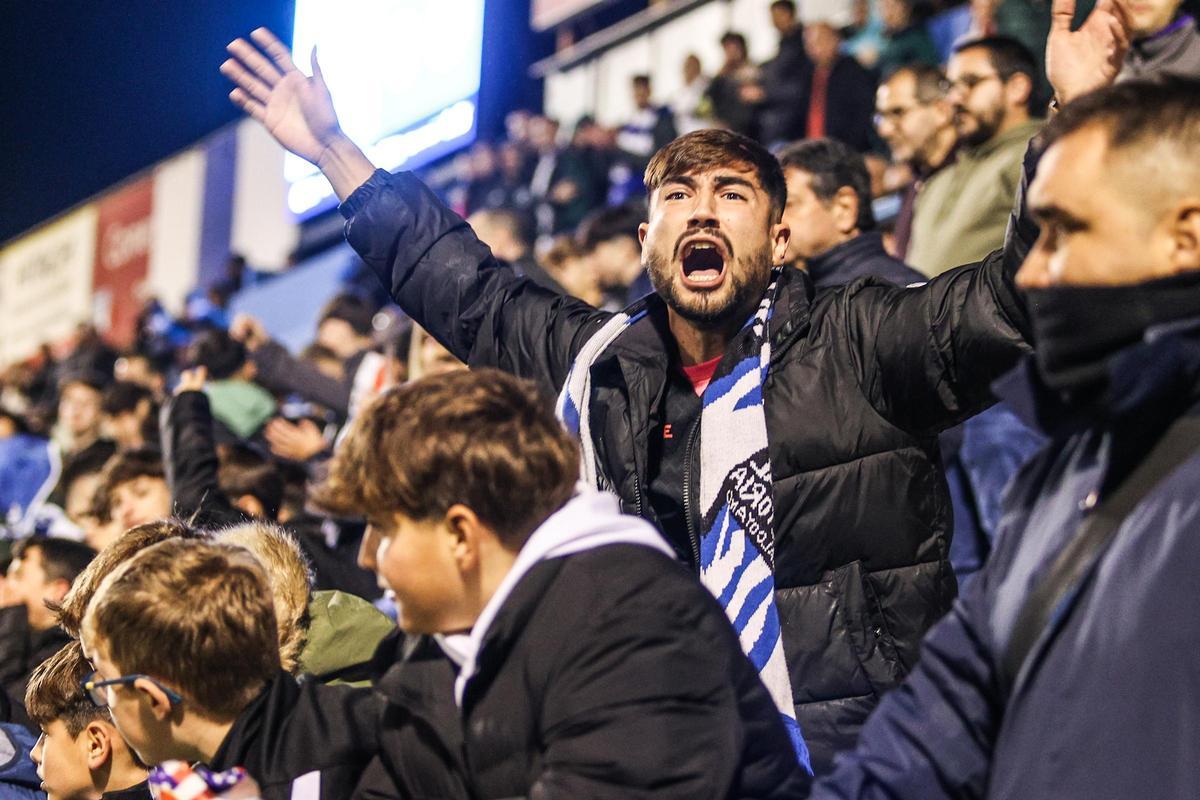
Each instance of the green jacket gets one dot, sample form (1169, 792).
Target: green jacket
(342, 636)
(962, 211)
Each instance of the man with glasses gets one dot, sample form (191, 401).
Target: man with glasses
(914, 117)
(962, 212)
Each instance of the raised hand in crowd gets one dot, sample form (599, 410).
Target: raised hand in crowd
(295, 108)
(192, 380)
(298, 441)
(1078, 61)
(249, 331)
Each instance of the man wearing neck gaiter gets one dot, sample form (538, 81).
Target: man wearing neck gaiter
(1068, 667)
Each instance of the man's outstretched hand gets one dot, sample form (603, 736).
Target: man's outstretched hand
(1089, 58)
(294, 108)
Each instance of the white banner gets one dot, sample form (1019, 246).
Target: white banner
(46, 284)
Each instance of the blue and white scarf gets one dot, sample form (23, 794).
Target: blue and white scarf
(737, 543)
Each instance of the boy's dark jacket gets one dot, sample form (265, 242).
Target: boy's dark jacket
(610, 673)
(292, 729)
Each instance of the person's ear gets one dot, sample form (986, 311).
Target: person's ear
(844, 207)
(1018, 89)
(156, 698)
(251, 505)
(781, 234)
(97, 744)
(465, 535)
(1184, 232)
(642, 228)
(56, 590)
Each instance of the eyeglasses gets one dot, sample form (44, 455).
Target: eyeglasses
(893, 115)
(94, 689)
(968, 82)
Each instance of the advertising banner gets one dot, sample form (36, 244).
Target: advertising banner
(122, 261)
(46, 284)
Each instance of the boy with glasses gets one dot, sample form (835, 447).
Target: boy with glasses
(80, 755)
(184, 642)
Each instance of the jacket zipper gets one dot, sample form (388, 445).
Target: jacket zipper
(693, 537)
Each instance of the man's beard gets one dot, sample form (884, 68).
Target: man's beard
(720, 308)
(985, 126)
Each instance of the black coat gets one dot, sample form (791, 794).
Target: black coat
(862, 379)
(566, 703)
(22, 649)
(849, 104)
(294, 729)
(860, 257)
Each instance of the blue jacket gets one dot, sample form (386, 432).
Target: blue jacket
(18, 773)
(1109, 703)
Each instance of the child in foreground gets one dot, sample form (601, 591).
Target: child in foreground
(574, 657)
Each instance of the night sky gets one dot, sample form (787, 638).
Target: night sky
(95, 91)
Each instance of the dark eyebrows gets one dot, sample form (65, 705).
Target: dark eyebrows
(1057, 214)
(720, 181)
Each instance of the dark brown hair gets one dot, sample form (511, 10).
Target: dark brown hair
(54, 693)
(709, 149)
(481, 438)
(196, 615)
(1135, 113)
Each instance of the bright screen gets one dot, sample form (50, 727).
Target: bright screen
(404, 75)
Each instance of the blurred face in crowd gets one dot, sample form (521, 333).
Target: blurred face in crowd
(144, 499)
(7, 427)
(79, 410)
(783, 18)
(497, 236)
(735, 51)
(895, 14)
(127, 428)
(816, 225)
(63, 762)
(542, 133)
(422, 563)
(913, 130)
(1102, 223)
(616, 262)
(641, 94)
(821, 42)
(691, 68)
(710, 244)
(80, 494)
(340, 337)
(984, 103)
(1151, 16)
(138, 369)
(28, 584)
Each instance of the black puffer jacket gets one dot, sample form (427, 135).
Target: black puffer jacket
(862, 379)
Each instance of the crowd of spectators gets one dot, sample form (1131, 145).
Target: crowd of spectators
(209, 510)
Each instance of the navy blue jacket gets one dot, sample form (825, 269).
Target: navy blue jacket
(1108, 705)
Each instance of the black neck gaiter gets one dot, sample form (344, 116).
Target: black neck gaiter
(1078, 329)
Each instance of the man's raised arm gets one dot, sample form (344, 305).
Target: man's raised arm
(931, 353)
(424, 254)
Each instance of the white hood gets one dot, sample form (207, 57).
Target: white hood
(588, 521)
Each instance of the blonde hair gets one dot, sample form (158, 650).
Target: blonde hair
(290, 576)
(196, 615)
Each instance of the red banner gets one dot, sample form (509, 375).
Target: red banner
(122, 258)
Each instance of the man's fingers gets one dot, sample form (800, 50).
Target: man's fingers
(248, 104)
(1062, 12)
(233, 70)
(275, 49)
(249, 55)
(316, 67)
(1120, 10)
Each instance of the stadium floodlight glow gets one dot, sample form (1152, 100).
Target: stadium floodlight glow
(404, 77)
(451, 126)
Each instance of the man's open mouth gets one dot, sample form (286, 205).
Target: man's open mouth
(703, 263)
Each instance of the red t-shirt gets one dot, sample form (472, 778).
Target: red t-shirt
(700, 375)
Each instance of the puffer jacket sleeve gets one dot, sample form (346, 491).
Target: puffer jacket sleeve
(929, 354)
(932, 737)
(442, 276)
(190, 459)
